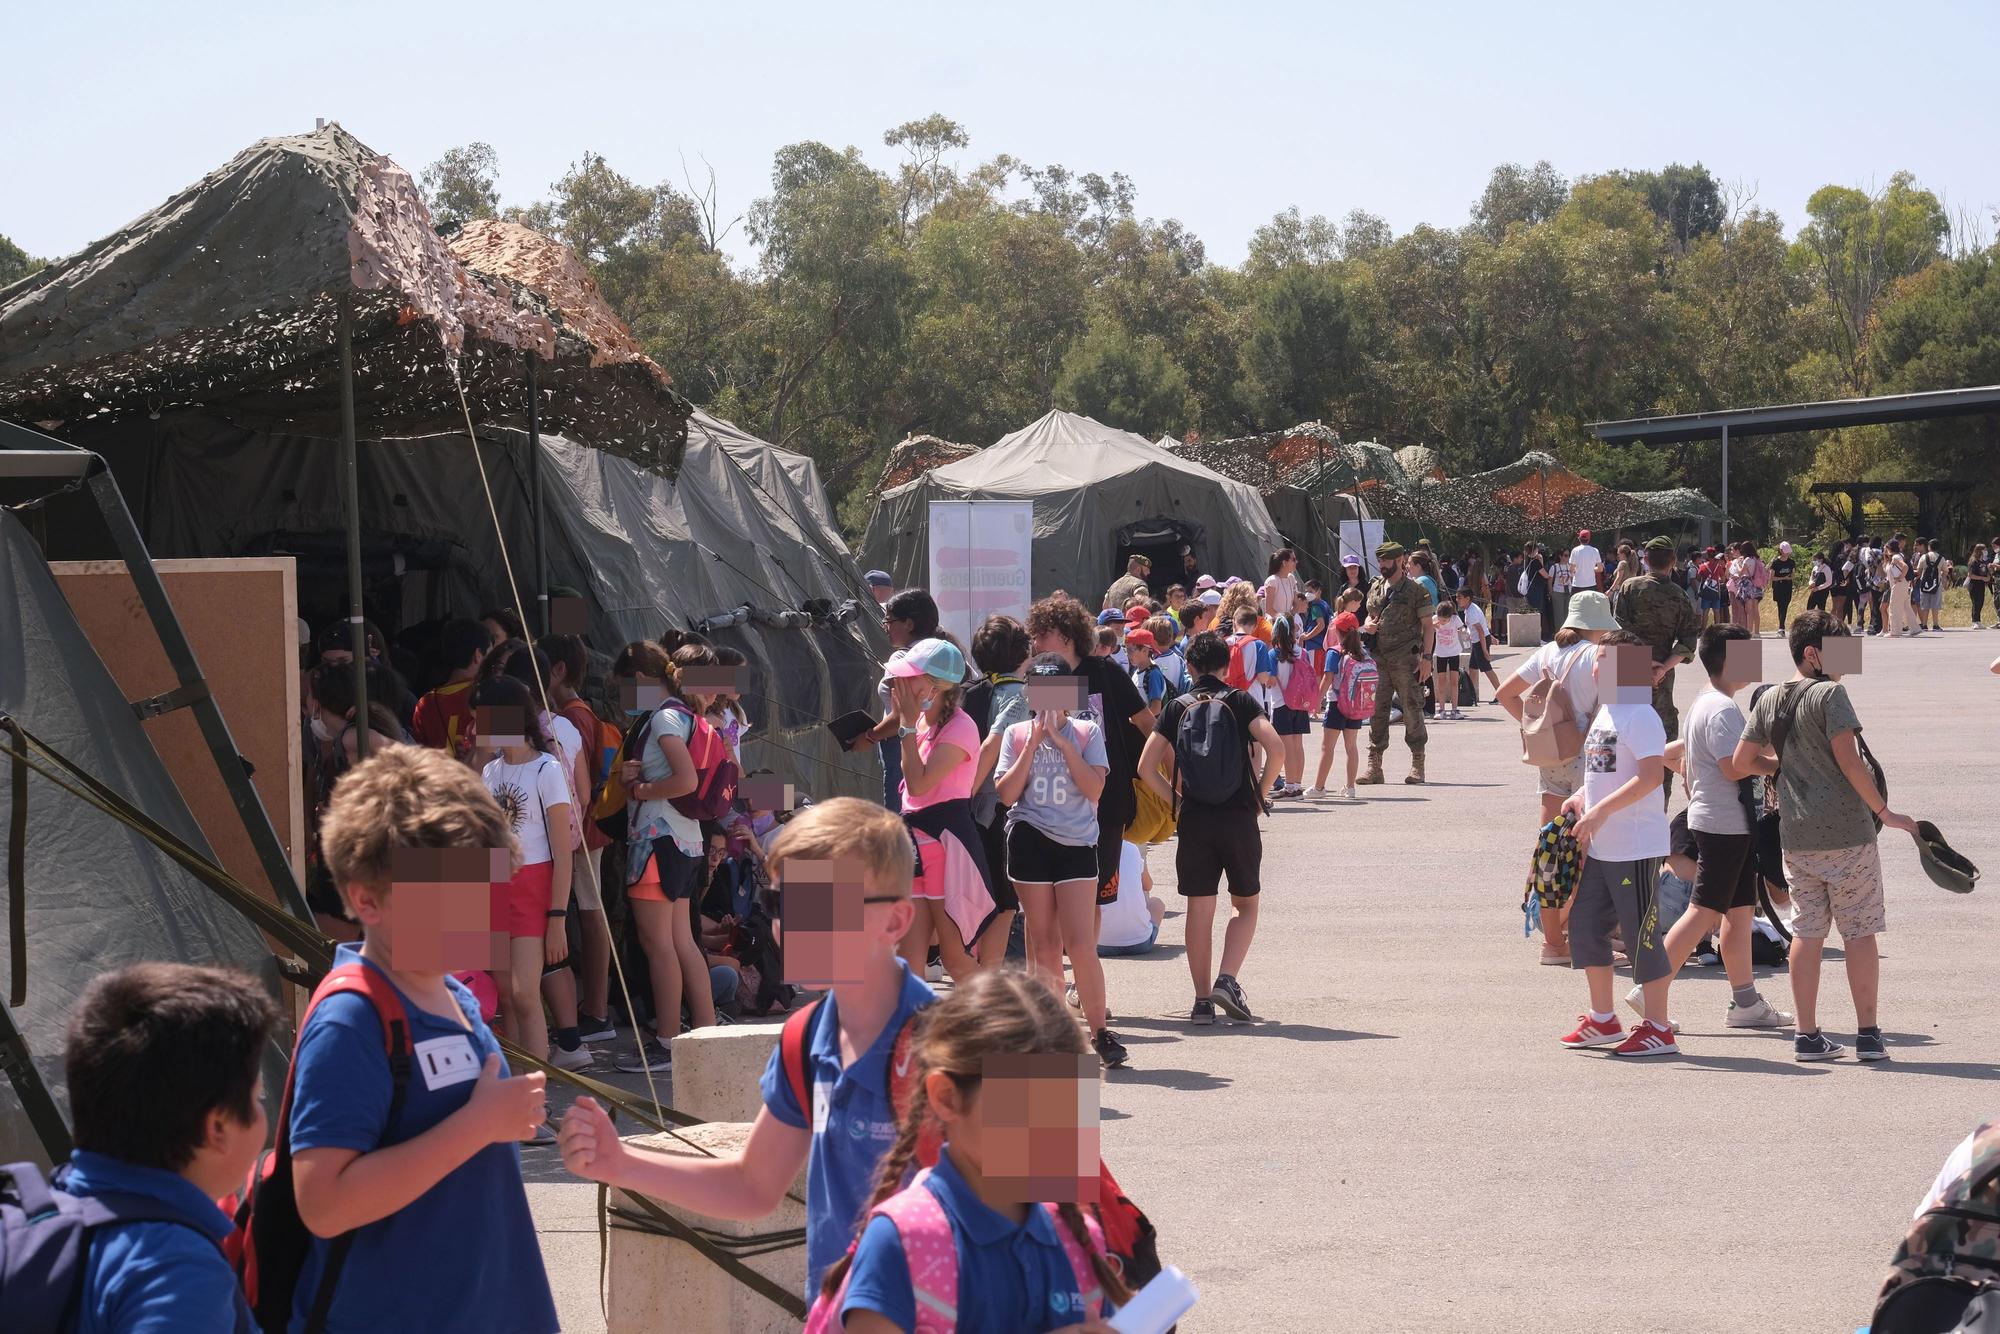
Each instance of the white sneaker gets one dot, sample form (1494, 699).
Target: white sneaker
(580, 1059)
(1635, 1000)
(1316, 793)
(1350, 793)
(1761, 1015)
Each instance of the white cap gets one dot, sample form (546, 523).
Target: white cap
(1210, 598)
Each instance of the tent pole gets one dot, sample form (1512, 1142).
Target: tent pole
(229, 761)
(36, 1100)
(535, 490)
(1725, 484)
(357, 622)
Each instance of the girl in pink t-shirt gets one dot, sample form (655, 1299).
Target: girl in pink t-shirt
(940, 750)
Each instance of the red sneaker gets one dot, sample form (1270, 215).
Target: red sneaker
(1590, 1033)
(1648, 1039)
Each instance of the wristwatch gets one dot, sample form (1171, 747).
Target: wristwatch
(907, 731)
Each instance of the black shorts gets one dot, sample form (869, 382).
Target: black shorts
(1033, 858)
(1110, 847)
(993, 842)
(1725, 873)
(1444, 664)
(1291, 722)
(1213, 843)
(1480, 662)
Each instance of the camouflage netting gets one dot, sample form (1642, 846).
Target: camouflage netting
(1681, 503)
(1310, 457)
(1534, 496)
(917, 455)
(226, 298)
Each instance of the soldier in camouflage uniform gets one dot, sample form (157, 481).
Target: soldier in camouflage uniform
(1399, 624)
(1655, 608)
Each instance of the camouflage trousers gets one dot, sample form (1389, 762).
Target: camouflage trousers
(1396, 679)
(1670, 717)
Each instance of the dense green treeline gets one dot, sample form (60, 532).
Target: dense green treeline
(966, 301)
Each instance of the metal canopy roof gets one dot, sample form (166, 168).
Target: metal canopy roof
(1778, 419)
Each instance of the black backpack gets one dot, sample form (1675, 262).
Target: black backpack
(1211, 754)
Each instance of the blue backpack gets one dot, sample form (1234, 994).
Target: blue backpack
(45, 1235)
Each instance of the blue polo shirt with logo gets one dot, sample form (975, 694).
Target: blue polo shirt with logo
(854, 1123)
(1013, 1278)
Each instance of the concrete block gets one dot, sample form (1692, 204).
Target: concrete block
(716, 1070)
(1524, 629)
(657, 1282)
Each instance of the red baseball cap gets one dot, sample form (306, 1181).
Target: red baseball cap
(1142, 639)
(1137, 616)
(1344, 622)
(1583, 536)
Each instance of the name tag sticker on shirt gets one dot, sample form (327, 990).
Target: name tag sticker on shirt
(822, 1095)
(447, 1061)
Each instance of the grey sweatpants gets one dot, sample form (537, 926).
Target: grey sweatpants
(1621, 895)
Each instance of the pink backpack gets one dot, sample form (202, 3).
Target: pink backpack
(932, 1253)
(1354, 688)
(1302, 686)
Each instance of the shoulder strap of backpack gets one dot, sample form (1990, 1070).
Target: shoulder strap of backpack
(792, 1056)
(360, 979)
(1080, 1262)
(931, 1251)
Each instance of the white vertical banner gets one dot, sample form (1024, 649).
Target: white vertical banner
(1360, 537)
(981, 562)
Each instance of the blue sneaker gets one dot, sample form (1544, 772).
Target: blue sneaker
(1816, 1047)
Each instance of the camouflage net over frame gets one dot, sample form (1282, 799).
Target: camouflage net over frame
(227, 297)
(917, 455)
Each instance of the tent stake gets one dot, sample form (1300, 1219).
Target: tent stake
(357, 622)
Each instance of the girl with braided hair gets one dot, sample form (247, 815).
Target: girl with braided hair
(949, 1251)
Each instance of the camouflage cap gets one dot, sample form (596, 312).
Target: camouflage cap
(1388, 551)
(1947, 867)
(1665, 544)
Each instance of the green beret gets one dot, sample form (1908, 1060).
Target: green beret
(1665, 544)
(1388, 551)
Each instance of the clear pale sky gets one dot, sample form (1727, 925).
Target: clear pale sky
(1221, 115)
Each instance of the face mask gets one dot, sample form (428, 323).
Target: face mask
(320, 729)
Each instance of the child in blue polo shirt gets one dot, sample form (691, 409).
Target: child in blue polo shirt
(442, 1237)
(844, 867)
(162, 1060)
(995, 1230)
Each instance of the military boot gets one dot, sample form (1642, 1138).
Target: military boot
(1416, 774)
(1373, 774)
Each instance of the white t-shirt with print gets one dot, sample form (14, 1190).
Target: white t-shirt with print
(1620, 736)
(526, 792)
(1128, 921)
(1448, 631)
(1711, 728)
(1280, 593)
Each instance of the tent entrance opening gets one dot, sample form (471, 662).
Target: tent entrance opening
(1160, 540)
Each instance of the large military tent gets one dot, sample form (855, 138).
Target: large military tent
(1100, 495)
(99, 896)
(195, 349)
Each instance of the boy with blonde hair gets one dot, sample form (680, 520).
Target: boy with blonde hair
(844, 868)
(411, 1183)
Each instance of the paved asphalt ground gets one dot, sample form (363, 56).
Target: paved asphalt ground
(1402, 1145)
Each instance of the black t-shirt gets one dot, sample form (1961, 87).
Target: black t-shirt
(1537, 590)
(1113, 699)
(1979, 569)
(1246, 711)
(1781, 570)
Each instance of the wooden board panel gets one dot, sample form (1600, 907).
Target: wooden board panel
(241, 616)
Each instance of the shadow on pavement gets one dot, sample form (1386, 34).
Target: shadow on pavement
(1948, 1069)
(1767, 1065)
(1188, 1081)
(1295, 1032)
